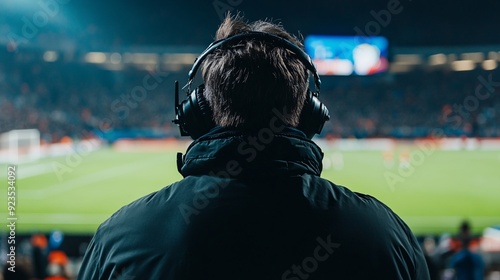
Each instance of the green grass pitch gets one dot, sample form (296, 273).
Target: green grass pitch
(433, 195)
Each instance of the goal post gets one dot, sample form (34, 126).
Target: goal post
(21, 145)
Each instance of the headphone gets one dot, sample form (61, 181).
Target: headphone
(194, 115)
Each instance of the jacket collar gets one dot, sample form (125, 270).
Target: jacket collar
(227, 152)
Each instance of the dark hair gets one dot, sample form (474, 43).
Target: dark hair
(246, 81)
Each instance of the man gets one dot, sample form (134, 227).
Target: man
(468, 265)
(252, 204)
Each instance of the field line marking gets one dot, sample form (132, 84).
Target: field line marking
(89, 179)
(60, 218)
(83, 218)
(26, 171)
(30, 171)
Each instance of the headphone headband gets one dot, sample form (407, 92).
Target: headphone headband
(261, 36)
(194, 115)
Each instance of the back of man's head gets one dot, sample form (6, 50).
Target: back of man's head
(244, 82)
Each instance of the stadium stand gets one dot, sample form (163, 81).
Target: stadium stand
(82, 100)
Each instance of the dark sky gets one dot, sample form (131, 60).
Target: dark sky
(184, 22)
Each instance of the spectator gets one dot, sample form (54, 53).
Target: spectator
(467, 264)
(23, 270)
(429, 247)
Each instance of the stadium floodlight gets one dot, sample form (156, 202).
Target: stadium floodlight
(493, 55)
(17, 146)
(463, 65)
(145, 58)
(408, 59)
(437, 59)
(96, 57)
(474, 56)
(489, 64)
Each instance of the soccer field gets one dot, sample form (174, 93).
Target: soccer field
(432, 195)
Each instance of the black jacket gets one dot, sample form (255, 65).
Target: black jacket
(254, 207)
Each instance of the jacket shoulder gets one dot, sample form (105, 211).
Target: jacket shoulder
(369, 225)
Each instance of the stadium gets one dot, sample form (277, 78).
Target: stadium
(87, 103)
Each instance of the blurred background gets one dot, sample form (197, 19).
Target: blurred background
(86, 103)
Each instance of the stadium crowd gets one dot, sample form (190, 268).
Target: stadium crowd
(420, 103)
(77, 100)
(81, 100)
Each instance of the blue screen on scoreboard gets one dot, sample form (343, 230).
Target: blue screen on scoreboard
(348, 55)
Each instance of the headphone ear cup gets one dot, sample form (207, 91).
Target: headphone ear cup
(313, 116)
(195, 114)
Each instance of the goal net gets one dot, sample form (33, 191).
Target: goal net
(17, 146)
